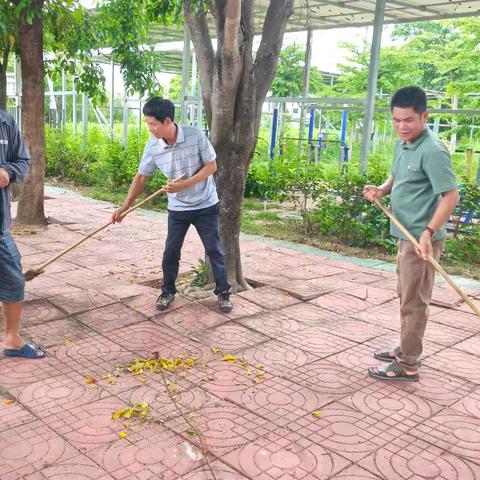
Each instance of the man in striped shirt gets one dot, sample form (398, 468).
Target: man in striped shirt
(177, 150)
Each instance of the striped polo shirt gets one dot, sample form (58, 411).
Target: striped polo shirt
(190, 153)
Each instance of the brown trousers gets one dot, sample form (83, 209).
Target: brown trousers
(415, 280)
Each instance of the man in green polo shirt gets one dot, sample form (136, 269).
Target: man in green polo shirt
(423, 195)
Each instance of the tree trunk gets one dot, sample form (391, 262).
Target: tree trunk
(30, 206)
(234, 88)
(3, 80)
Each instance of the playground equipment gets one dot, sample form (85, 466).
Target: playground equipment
(328, 137)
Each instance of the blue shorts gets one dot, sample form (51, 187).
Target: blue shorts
(12, 281)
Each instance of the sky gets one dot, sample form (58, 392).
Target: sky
(326, 52)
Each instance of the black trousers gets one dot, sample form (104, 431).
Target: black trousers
(205, 220)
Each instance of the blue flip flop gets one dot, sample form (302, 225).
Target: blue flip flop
(27, 351)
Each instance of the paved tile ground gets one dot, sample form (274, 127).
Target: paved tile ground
(296, 404)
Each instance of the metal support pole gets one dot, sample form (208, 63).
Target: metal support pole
(125, 116)
(185, 68)
(193, 89)
(372, 82)
(311, 126)
(64, 99)
(18, 91)
(84, 118)
(74, 105)
(112, 98)
(273, 136)
(306, 85)
(343, 129)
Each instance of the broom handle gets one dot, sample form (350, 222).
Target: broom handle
(124, 214)
(437, 266)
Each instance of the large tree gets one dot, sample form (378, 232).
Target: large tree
(8, 41)
(73, 35)
(234, 85)
(30, 33)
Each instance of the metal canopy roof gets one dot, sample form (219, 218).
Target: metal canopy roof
(324, 14)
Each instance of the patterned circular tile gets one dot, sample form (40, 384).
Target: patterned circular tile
(469, 404)
(279, 400)
(272, 324)
(88, 426)
(389, 403)
(318, 342)
(110, 317)
(21, 371)
(153, 452)
(324, 377)
(444, 335)
(269, 297)
(220, 470)
(223, 427)
(26, 448)
(79, 467)
(308, 313)
(54, 395)
(160, 403)
(407, 457)
(439, 387)
(350, 433)
(452, 431)
(146, 337)
(456, 363)
(12, 414)
(222, 378)
(231, 337)
(191, 318)
(277, 357)
(285, 455)
(471, 345)
(40, 311)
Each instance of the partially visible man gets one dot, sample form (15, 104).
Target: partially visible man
(423, 196)
(14, 164)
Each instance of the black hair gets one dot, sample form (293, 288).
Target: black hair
(413, 97)
(159, 108)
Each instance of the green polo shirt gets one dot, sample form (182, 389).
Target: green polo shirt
(421, 172)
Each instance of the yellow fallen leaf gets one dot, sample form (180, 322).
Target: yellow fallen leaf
(67, 341)
(90, 380)
(117, 414)
(215, 349)
(8, 402)
(122, 434)
(317, 414)
(229, 358)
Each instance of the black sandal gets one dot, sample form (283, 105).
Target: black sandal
(392, 371)
(386, 357)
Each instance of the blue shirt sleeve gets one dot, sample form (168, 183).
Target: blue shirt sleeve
(17, 162)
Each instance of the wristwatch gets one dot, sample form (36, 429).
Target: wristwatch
(431, 230)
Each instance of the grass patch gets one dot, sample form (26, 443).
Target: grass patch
(256, 204)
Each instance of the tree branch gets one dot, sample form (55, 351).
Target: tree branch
(233, 13)
(199, 32)
(276, 20)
